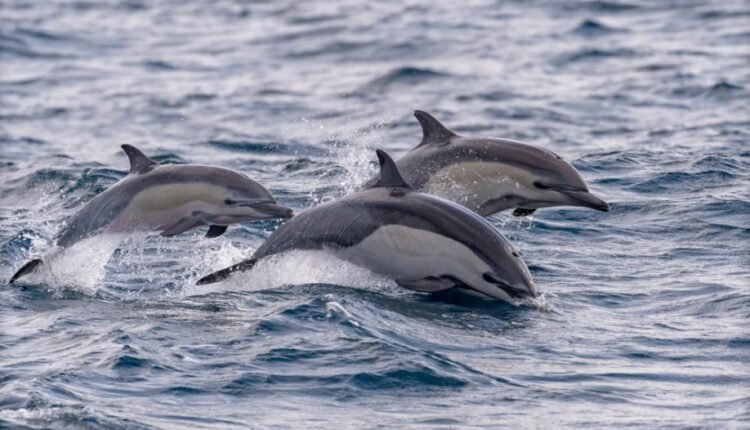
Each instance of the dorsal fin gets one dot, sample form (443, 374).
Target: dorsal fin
(389, 174)
(139, 163)
(433, 132)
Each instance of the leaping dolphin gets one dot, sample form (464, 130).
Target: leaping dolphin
(425, 243)
(171, 199)
(491, 175)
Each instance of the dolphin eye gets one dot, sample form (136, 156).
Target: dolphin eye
(228, 201)
(515, 254)
(540, 185)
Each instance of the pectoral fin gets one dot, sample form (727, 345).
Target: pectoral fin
(523, 212)
(216, 231)
(427, 285)
(496, 205)
(184, 224)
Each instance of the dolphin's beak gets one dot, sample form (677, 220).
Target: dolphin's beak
(273, 209)
(518, 293)
(525, 290)
(586, 199)
(267, 207)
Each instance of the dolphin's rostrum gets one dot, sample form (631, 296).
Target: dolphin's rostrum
(491, 175)
(171, 199)
(424, 242)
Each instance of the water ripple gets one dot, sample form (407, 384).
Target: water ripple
(644, 309)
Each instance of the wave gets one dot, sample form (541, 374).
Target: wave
(591, 28)
(587, 55)
(601, 6)
(401, 76)
(237, 142)
(719, 90)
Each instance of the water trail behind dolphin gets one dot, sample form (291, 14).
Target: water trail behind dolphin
(295, 268)
(80, 268)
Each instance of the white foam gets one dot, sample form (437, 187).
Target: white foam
(356, 156)
(294, 268)
(80, 268)
(356, 153)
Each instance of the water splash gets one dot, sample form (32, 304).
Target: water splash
(296, 267)
(80, 268)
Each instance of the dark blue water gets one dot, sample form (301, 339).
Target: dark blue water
(644, 319)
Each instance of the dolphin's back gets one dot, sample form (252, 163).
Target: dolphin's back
(194, 173)
(336, 224)
(95, 215)
(419, 164)
(348, 221)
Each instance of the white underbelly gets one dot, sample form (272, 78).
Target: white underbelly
(159, 206)
(138, 218)
(474, 183)
(409, 254)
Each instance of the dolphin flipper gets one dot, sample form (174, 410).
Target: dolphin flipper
(215, 231)
(427, 285)
(224, 273)
(523, 212)
(26, 269)
(184, 224)
(497, 205)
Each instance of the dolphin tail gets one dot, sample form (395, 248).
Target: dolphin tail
(224, 273)
(26, 269)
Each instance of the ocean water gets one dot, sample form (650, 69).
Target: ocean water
(644, 322)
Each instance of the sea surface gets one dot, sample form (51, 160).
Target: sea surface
(645, 317)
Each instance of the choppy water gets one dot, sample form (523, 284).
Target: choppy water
(645, 323)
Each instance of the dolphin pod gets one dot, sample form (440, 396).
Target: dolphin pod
(418, 222)
(492, 175)
(425, 243)
(170, 199)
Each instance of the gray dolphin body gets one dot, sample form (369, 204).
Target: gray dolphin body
(424, 242)
(491, 175)
(171, 199)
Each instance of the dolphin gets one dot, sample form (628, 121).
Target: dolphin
(491, 175)
(168, 198)
(423, 242)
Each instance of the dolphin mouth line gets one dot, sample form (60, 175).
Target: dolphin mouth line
(269, 207)
(515, 292)
(589, 200)
(581, 196)
(249, 203)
